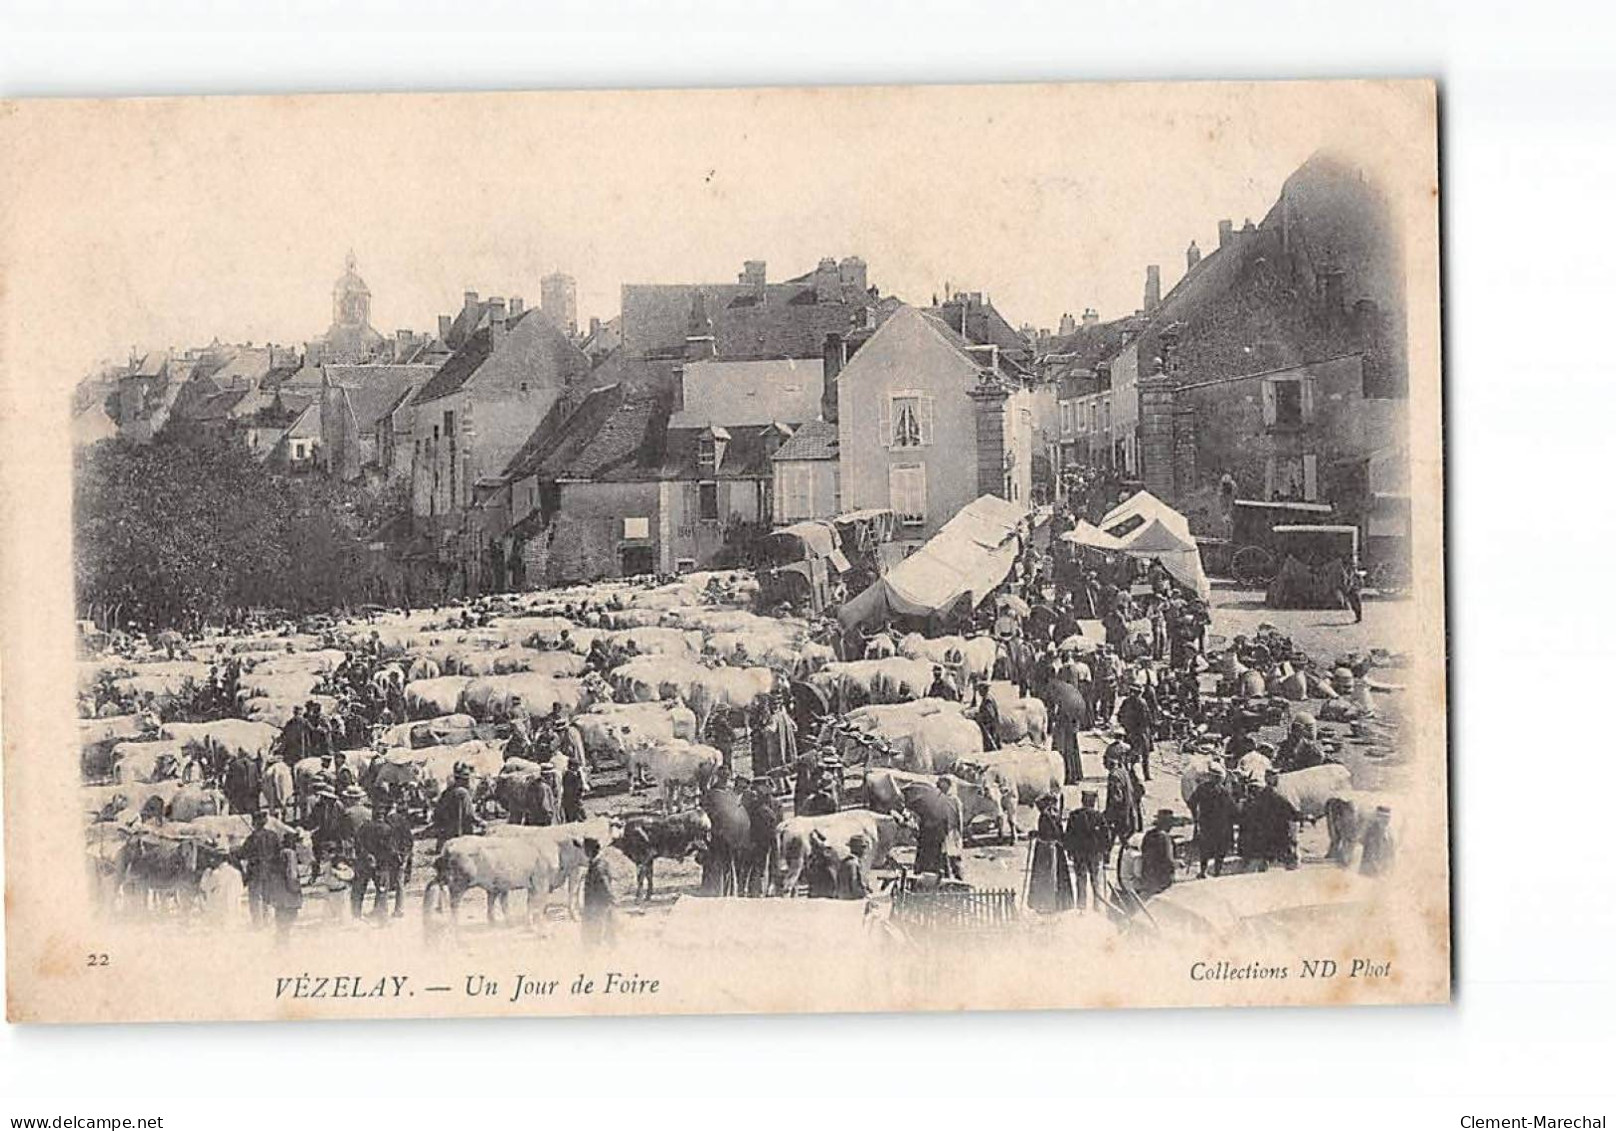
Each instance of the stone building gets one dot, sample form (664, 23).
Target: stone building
(929, 421)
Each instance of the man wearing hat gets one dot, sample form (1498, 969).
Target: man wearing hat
(940, 687)
(317, 736)
(1213, 806)
(1268, 827)
(987, 715)
(294, 737)
(763, 811)
(455, 814)
(1088, 841)
(1156, 856)
(375, 860)
(1138, 721)
(1121, 800)
(851, 882)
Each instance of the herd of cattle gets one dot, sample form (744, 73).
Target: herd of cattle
(159, 825)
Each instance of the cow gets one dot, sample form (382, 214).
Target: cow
(1348, 815)
(739, 689)
(885, 792)
(1310, 790)
(645, 679)
(613, 729)
(278, 788)
(1031, 771)
(147, 761)
(115, 727)
(445, 730)
(940, 742)
(673, 765)
(430, 698)
(193, 801)
(1020, 720)
(490, 697)
(499, 865)
(223, 736)
(569, 838)
(672, 837)
(152, 864)
(655, 640)
(423, 668)
(879, 830)
(968, 658)
(113, 802)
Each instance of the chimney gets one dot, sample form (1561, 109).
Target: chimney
(1068, 325)
(835, 358)
(754, 274)
(444, 322)
(855, 275)
(1152, 288)
(594, 326)
(496, 318)
(1192, 256)
(471, 299)
(1225, 232)
(827, 280)
(516, 306)
(1091, 317)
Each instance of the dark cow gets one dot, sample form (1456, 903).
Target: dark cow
(673, 837)
(149, 864)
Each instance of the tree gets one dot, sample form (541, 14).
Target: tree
(190, 528)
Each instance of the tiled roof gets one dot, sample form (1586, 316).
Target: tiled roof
(217, 407)
(746, 454)
(465, 361)
(816, 439)
(571, 424)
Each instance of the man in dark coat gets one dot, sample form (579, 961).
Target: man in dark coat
(728, 845)
(1268, 827)
(1138, 723)
(1068, 716)
(242, 781)
(285, 888)
(598, 900)
(1156, 856)
(1121, 803)
(1088, 840)
(940, 687)
(572, 793)
(932, 812)
(455, 814)
(294, 737)
(851, 882)
(377, 860)
(259, 856)
(987, 716)
(763, 813)
(1214, 808)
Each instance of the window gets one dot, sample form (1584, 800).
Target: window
(1287, 402)
(636, 528)
(707, 454)
(708, 501)
(907, 492)
(906, 420)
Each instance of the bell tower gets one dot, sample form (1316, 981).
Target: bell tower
(350, 298)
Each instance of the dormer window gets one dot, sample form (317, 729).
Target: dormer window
(710, 450)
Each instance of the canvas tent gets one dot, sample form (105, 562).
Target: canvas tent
(964, 561)
(1146, 527)
(1085, 533)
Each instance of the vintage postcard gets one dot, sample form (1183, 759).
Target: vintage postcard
(723, 551)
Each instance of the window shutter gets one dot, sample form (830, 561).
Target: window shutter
(925, 419)
(1268, 479)
(1270, 410)
(917, 489)
(895, 490)
(1307, 403)
(1310, 478)
(884, 421)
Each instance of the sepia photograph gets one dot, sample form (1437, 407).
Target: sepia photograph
(725, 551)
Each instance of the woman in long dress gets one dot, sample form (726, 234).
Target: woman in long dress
(1049, 887)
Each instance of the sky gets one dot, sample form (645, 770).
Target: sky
(169, 222)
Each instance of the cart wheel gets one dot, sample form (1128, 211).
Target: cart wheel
(1252, 566)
